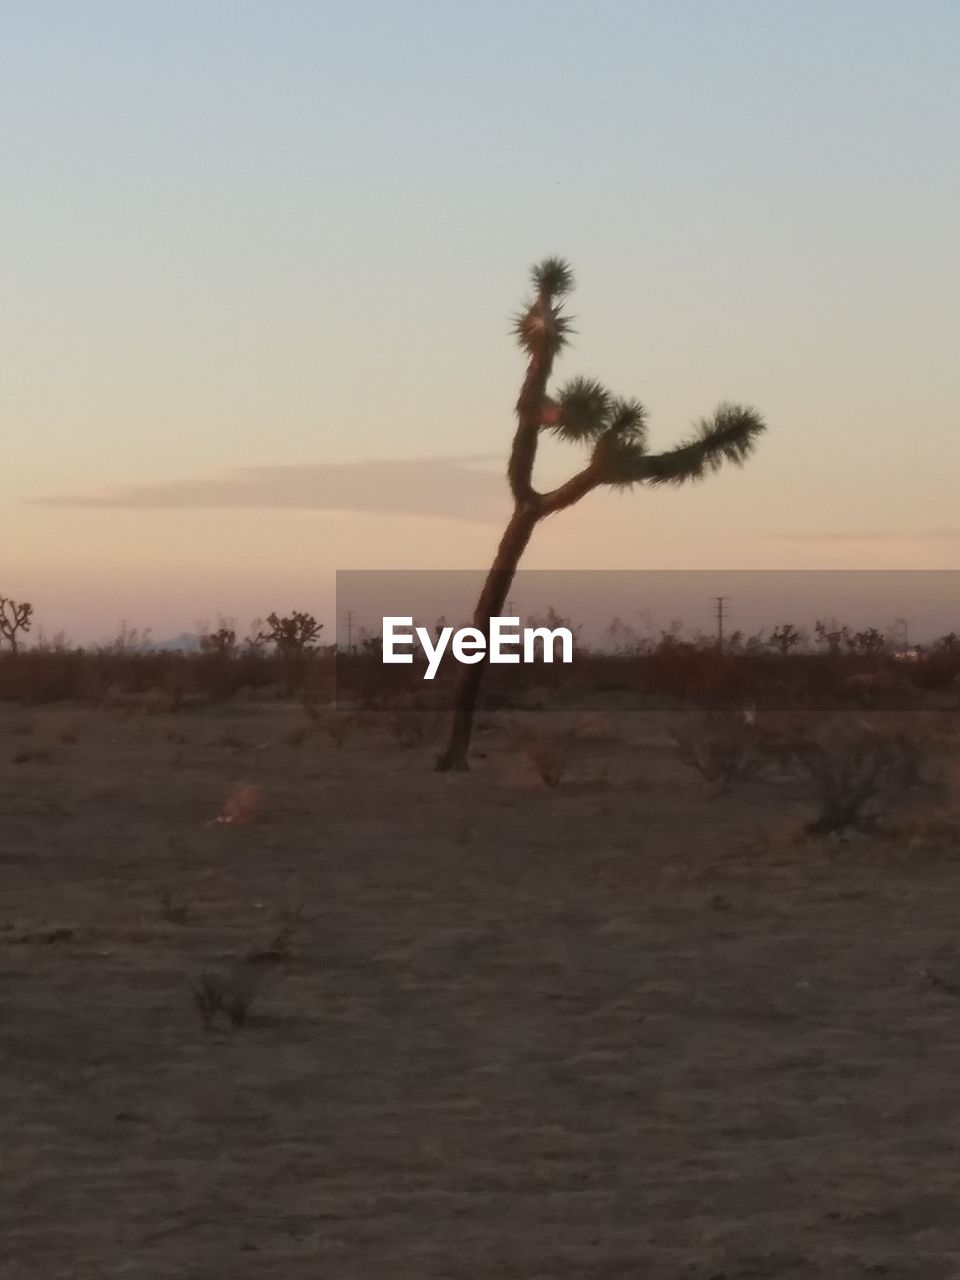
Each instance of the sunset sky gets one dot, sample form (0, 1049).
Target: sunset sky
(259, 261)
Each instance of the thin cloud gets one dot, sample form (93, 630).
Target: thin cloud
(462, 488)
(893, 535)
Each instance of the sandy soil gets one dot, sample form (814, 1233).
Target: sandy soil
(618, 1029)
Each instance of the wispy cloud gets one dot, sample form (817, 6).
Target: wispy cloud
(891, 535)
(462, 488)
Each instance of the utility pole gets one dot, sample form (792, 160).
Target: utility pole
(902, 640)
(349, 631)
(720, 601)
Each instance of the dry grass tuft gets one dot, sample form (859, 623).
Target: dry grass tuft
(230, 995)
(207, 995)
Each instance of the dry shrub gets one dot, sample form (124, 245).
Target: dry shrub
(278, 948)
(243, 806)
(35, 755)
(207, 995)
(230, 995)
(857, 772)
(721, 744)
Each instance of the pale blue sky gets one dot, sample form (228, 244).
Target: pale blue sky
(288, 235)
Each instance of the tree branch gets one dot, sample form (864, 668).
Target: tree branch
(573, 490)
(730, 436)
(523, 454)
(541, 330)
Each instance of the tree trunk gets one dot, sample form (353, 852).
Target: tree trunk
(491, 602)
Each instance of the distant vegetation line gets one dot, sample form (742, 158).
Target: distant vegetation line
(285, 656)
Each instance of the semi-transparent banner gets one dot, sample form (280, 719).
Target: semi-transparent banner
(420, 625)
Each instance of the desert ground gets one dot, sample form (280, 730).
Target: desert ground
(623, 1026)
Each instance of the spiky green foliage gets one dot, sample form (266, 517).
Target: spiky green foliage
(542, 329)
(619, 451)
(618, 462)
(628, 422)
(730, 436)
(584, 410)
(552, 277)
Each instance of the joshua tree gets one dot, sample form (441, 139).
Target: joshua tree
(831, 636)
(869, 643)
(295, 639)
(292, 635)
(784, 638)
(586, 413)
(221, 643)
(14, 618)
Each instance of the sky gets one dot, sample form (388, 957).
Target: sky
(259, 262)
